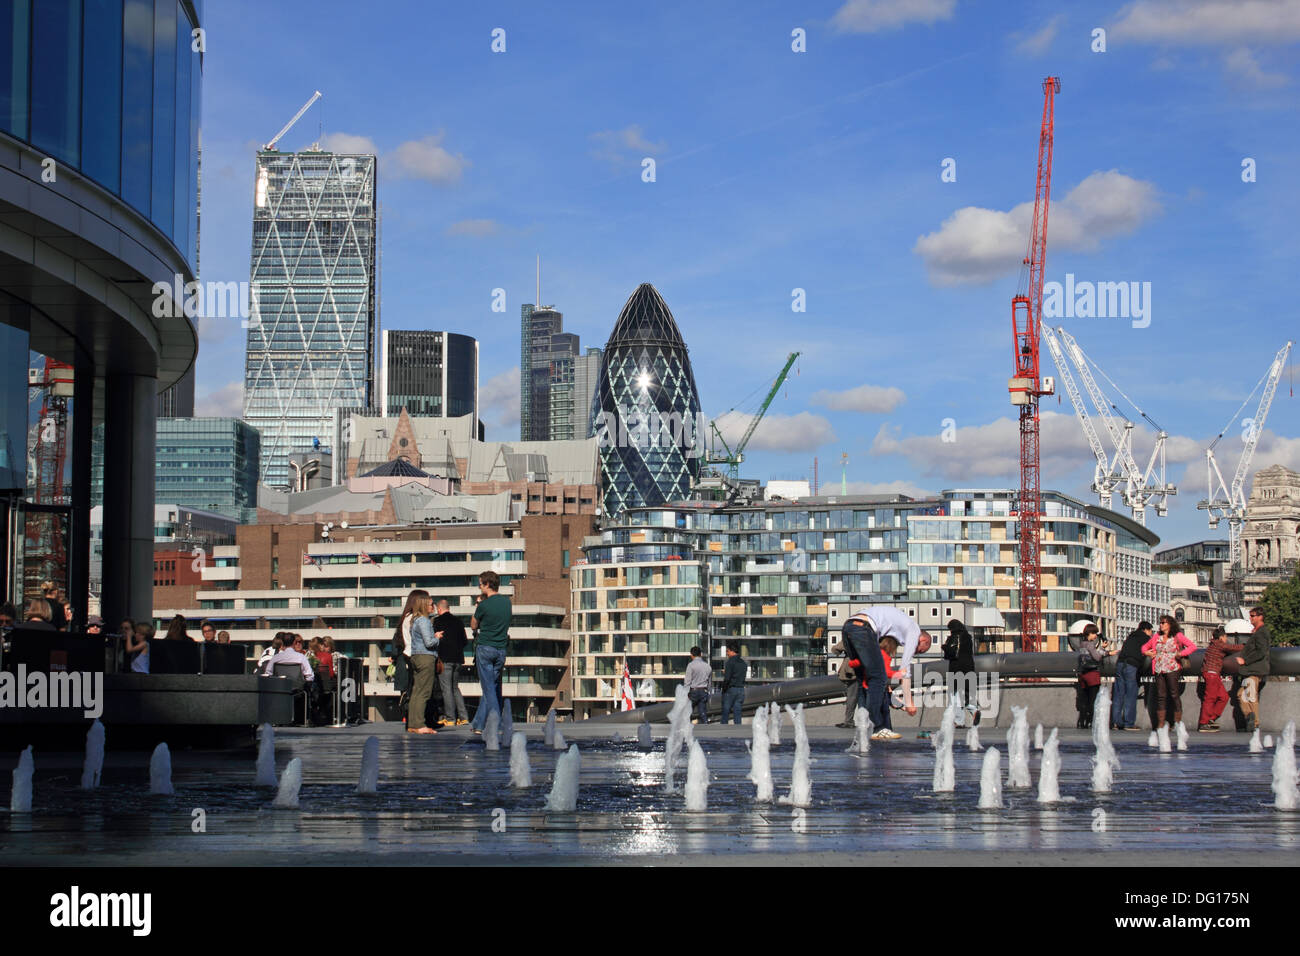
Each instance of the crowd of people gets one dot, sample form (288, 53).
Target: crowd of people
(1163, 651)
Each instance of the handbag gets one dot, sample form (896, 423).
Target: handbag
(1090, 678)
(437, 666)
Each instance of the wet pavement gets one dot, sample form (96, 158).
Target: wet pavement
(444, 799)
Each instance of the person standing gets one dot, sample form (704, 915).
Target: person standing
(424, 661)
(733, 683)
(698, 677)
(1166, 650)
(1214, 696)
(1092, 651)
(491, 622)
(1254, 670)
(451, 651)
(959, 651)
(1123, 708)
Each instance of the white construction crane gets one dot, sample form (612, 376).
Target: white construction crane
(289, 125)
(1140, 487)
(1106, 477)
(1226, 501)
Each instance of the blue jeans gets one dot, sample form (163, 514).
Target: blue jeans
(732, 699)
(699, 704)
(1124, 708)
(862, 643)
(490, 662)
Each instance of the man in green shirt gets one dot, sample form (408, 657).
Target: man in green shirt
(491, 625)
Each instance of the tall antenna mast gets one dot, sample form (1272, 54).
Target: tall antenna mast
(539, 282)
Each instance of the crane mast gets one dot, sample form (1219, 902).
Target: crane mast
(1026, 386)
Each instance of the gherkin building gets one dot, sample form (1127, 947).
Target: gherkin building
(646, 410)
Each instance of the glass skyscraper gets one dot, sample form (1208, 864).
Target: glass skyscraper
(208, 463)
(311, 335)
(428, 373)
(646, 410)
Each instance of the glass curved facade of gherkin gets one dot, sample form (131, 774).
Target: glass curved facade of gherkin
(646, 409)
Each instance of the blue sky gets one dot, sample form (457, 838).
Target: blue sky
(816, 170)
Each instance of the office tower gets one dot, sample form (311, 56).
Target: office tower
(586, 372)
(428, 373)
(646, 410)
(311, 338)
(208, 463)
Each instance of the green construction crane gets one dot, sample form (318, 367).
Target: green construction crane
(732, 459)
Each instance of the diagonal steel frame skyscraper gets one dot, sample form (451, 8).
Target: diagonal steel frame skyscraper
(312, 329)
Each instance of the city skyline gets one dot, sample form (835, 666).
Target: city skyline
(823, 171)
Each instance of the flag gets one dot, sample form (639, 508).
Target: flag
(308, 559)
(366, 559)
(626, 692)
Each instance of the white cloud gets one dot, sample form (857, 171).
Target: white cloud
(348, 143)
(225, 402)
(1273, 449)
(618, 147)
(800, 432)
(1242, 65)
(1036, 44)
(426, 159)
(498, 400)
(477, 228)
(874, 16)
(1209, 22)
(992, 450)
(976, 245)
(863, 398)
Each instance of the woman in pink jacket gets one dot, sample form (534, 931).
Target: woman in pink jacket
(1166, 648)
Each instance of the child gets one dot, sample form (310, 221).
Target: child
(888, 648)
(1214, 697)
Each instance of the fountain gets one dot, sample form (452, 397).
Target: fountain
(1049, 772)
(548, 735)
(1038, 737)
(679, 736)
(697, 780)
(1284, 771)
(520, 773)
(760, 765)
(1181, 731)
(644, 739)
(369, 779)
(973, 739)
(564, 788)
(290, 784)
(1255, 746)
(1018, 748)
(800, 779)
(1162, 738)
(266, 758)
(945, 777)
(160, 770)
(861, 732)
(1154, 740)
(774, 725)
(1104, 761)
(21, 800)
(991, 780)
(507, 725)
(1268, 741)
(93, 768)
(492, 731)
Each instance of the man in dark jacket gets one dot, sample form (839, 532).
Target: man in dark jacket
(959, 652)
(450, 632)
(1253, 672)
(1123, 709)
(733, 682)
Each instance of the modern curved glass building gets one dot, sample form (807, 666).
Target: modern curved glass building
(646, 409)
(99, 151)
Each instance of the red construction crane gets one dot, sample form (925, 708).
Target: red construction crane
(1026, 386)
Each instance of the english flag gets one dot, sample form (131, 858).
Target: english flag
(308, 559)
(366, 559)
(628, 703)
